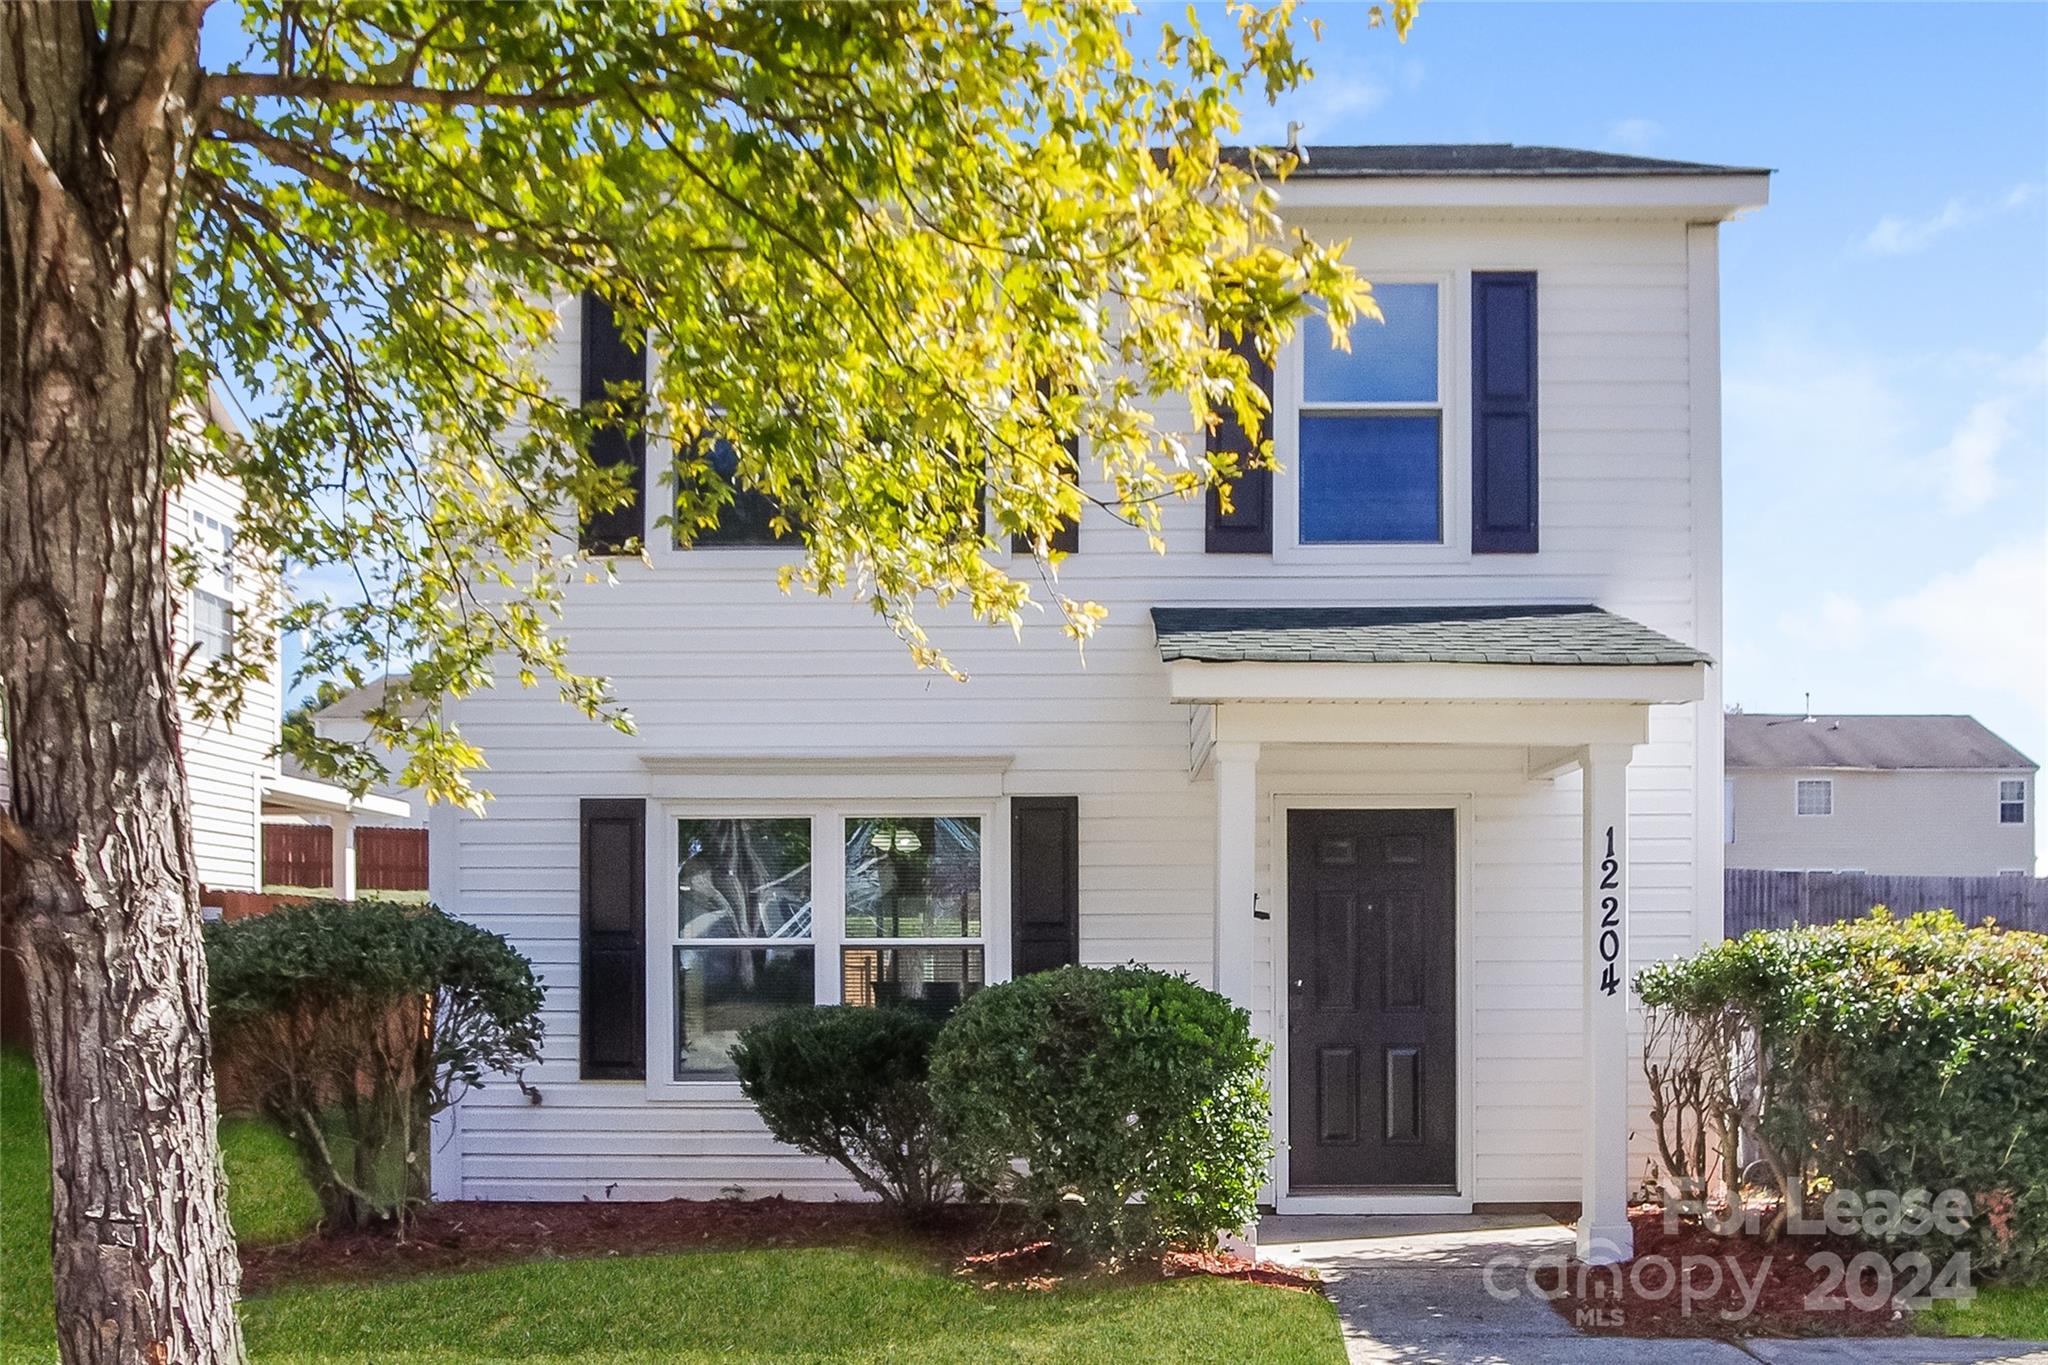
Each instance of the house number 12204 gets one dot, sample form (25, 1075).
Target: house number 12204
(1610, 919)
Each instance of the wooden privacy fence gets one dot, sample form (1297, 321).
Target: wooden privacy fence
(387, 859)
(1779, 900)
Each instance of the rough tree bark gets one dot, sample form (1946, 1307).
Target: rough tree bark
(95, 130)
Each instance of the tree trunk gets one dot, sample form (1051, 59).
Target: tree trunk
(95, 131)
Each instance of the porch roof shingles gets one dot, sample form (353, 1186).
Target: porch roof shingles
(1535, 634)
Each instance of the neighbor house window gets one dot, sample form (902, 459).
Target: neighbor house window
(743, 951)
(1816, 796)
(1371, 438)
(2012, 801)
(212, 602)
(761, 928)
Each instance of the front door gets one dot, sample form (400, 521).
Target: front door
(1372, 1000)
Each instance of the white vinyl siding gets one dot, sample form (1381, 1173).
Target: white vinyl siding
(711, 657)
(1897, 823)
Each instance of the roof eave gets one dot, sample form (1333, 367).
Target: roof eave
(1714, 197)
(1197, 681)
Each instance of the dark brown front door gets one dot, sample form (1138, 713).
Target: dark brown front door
(1372, 1000)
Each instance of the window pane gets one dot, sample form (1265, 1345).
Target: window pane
(746, 520)
(1370, 479)
(720, 991)
(913, 878)
(743, 879)
(213, 626)
(1389, 362)
(934, 980)
(1816, 797)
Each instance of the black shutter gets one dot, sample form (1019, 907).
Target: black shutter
(1504, 487)
(1247, 528)
(610, 358)
(1045, 883)
(614, 915)
(1067, 539)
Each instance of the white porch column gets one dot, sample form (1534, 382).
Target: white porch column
(1604, 1233)
(1235, 767)
(342, 828)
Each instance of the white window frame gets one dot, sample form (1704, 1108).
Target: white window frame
(1454, 364)
(213, 541)
(828, 908)
(2004, 800)
(1826, 784)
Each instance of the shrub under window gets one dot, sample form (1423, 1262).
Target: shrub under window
(1125, 1107)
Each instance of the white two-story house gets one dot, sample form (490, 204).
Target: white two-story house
(1415, 753)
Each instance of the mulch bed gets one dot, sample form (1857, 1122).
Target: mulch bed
(1646, 1298)
(980, 1244)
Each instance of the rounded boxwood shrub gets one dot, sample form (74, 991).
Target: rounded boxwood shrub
(352, 1023)
(1885, 1054)
(1126, 1107)
(850, 1084)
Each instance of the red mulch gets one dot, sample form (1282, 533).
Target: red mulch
(1644, 1298)
(981, 1244)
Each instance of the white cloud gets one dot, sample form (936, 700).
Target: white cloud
(1835, 621)
(1984, 627)
(1896, 235)
(1636, 135)
(1887, 425)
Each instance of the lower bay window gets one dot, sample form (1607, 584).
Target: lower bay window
(781, 908)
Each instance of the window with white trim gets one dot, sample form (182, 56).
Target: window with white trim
(1370, 454)
(1815, 796)
(761, 927)
(2012, 801)
(211, 614)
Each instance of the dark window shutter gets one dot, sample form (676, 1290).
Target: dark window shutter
(1247, 529)
(1504, 487)
(614, 914)
(1045, 883)
(608, 359)
(1067, 539)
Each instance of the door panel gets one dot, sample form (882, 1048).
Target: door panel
(1372, 999)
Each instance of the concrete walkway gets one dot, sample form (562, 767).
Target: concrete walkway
(1413, 1290)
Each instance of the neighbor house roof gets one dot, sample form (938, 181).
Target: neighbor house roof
(1754, 740)
(356, 703)
(1541, 634)
(1485, 159)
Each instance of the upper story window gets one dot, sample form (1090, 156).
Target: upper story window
(749, 519)
(1815, 796)
(212, 613)
(1370, 457)
(2012, 801)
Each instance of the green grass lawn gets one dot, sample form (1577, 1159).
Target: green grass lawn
(2000, 1310)
(816, 1304)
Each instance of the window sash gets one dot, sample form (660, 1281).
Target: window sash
(1822, 794)
(1448, 288)
(828, 940)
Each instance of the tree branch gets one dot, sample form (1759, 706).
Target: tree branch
(227, 85)
(58, 209)
(298, 157)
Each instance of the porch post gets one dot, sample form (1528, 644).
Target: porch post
(1235, 768)
(1604, 1233)
(343, 832)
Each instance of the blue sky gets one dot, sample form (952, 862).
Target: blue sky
(1886, 384)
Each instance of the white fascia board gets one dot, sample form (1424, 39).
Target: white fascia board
(1190, 681)
(1694, 198)
(1532, 725)
(300, 796)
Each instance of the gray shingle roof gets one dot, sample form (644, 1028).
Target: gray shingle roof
(1486, 159)
(1404, 635)
(1754, 740)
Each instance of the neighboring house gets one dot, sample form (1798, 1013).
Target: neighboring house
(343, 719)
(232, 773)
(1415, 753)
(1937, 796)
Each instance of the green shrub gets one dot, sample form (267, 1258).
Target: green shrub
(850, 1084)
(353, 1023)
(1892, 1054)
(1125, 1107)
